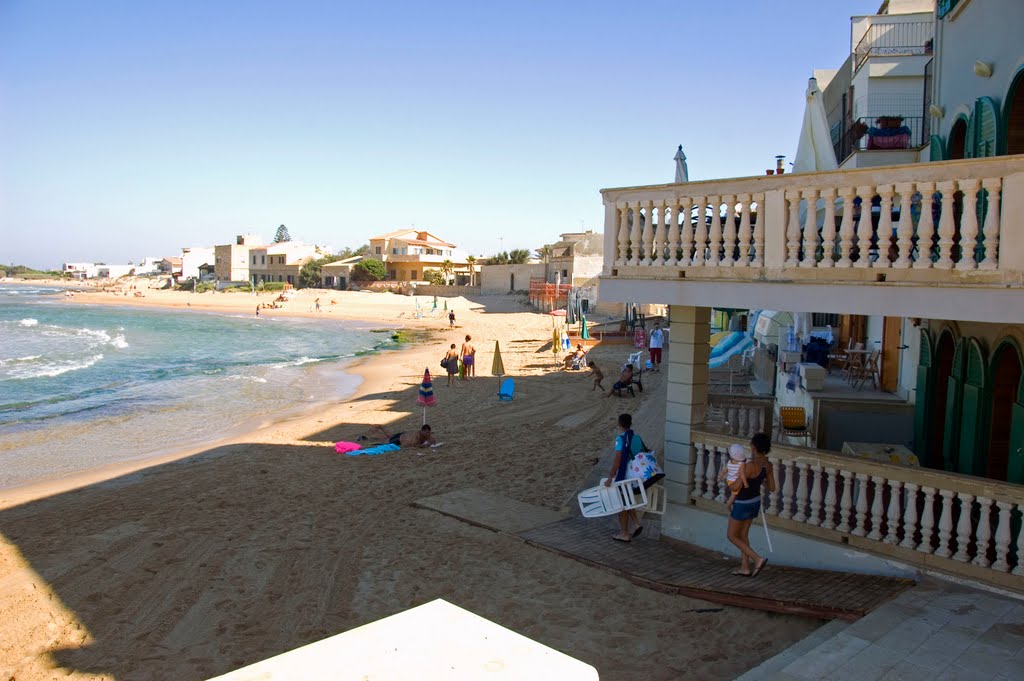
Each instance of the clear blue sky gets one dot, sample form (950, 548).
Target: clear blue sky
(129, 129)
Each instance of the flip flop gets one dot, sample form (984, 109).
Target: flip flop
(618, 538)
(757, 570)
(637, 531)
(738, 573)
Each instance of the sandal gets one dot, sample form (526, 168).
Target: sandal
(740, 573)
(759, 567)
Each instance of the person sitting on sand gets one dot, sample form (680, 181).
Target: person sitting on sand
(596, 375)
(625, 379)
(423, 437)
(576, 356)
(468, 353)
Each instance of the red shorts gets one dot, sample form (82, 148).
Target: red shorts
(656, 355)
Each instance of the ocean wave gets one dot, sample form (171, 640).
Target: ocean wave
(254, 379)
(47, 369)
(296, 362)
(29, 322)
(119, 341)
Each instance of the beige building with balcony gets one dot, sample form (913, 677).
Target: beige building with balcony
(935, 248)
(408, 253)
(279, 262)
(231, 261)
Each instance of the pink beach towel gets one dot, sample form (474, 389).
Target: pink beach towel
(343, 447)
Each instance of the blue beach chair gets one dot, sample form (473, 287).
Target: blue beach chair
(508, 388)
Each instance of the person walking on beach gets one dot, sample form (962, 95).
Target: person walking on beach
(257, 310)
(451, 319)
(596, 375)
(412, 438)
(468, 353)
(747, 505)
(317, 304)
(451, 364)
(654, 345)
(627, 445)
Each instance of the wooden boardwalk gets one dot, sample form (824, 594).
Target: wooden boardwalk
(675, 567)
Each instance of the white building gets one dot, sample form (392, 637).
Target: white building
(114, 271)
(79, 270)
(192, 258)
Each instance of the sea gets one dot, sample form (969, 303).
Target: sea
(83, 386)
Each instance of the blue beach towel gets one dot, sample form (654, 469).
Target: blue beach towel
(379, 449)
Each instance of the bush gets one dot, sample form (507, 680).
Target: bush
(435, 277)
(271, 286)
(369, 270)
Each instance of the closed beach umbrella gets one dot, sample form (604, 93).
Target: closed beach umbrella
(682, 172)
(570, 311)
(497, 367)
(426, 396)
(446, 305)
(584, 333)
(814, 151)
(435, 302)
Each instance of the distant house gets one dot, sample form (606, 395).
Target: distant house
(148, 266)
(171, 266)
(79, 270)
(114, 271)
(193, 257)
(338, 274)
(280, 262)
(231, 261)
(408, 253)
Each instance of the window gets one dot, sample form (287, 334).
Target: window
(263, 260)
(565, 274)
(254, 260)
(329, 282)
(946, 6)
(413, 275)
(824, 319)
(282, 260)
(377, 250)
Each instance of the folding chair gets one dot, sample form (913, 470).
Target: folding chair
(793, 423)
(619, 496)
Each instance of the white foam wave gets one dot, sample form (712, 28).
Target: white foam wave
(296, 362)
(254, 379)
(119, 341)
(49, 369)
(29, 322)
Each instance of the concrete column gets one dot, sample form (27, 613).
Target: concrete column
(1011, 248)
(774, 229)
(687, 395)
(611, 236)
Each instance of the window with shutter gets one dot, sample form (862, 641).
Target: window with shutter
(946, 6)
(986, 128)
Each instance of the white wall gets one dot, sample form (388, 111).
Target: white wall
(192, 258)
(986, 30)
(496, 278)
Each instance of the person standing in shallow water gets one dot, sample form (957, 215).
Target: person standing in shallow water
(747, 505)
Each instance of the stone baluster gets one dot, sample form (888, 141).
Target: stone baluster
(927, 520)
(828, 229)
(787, 489)
(793, 229)
(799, 514)
(715, 235)
(743, 421)
(946, 225)
(672, 219)
(720, 485)
(701, 232)
(876, 507)
(892, 516)
(993, 186)
(1003, 536)
(848, 195)
(968, 224)
(814, 509)
(1019, 570)
(829, 509)
(845, 503)
(773, 497)
(623, 233)
(884, 239)
(711, 472)
(744, 234)
(864, 228)
(647, 234)
(759, 232)
(963, 527)
(660, 233)
(635, 235)
(729, 232)
(945, 524)
(861, 520)
(905, 228)
(698, 470)
(984, 533)
(810, 229)
(910, 517)
(925, 226)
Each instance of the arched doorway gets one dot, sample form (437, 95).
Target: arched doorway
(957, 146)
(1007, 415)
(1013, 116)
(942, 365)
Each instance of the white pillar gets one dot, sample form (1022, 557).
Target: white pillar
(686, 399)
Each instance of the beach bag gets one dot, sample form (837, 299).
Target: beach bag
(644, 467)
(444, 362)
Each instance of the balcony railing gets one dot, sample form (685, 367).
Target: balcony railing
(926, 222)
(956, 523)
(894, 39)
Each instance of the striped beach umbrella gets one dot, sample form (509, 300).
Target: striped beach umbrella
(426, 396)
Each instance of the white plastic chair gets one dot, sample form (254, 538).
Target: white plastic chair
(634, 359)
(657, 500)
(619, 496)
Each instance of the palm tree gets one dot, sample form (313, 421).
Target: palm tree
(471, 261)
(447, 269)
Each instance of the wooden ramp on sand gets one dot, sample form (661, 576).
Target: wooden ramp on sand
(675, 567)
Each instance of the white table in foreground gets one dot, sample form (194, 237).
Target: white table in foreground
(436, 640)
(882, 452)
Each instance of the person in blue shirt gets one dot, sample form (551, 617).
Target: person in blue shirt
(627, 445)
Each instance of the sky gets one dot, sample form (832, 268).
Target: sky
(131, 129)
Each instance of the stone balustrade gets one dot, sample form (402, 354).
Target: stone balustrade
(738, 416)
(929, 222)
(933, 519)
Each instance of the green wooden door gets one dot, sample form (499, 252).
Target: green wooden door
(936, 150)
(924, 399)
(951, 419)
(971, 459)
(1015, 468)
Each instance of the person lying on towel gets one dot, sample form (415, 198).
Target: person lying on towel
(423, 437)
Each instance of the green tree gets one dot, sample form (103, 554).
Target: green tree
(499, 258)
(282, 235)
(310, 274)
(447, 269)
(471, 261)
(435, 277)
(543, 253)
(348, 251)
(519, 256)
(369, 270)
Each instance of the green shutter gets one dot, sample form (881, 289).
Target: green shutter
(924, 401)
(946, 6)
(936, 150)
(1015, 467)
(986, 127)
(951, 419)
(970, 139)
(971, 459)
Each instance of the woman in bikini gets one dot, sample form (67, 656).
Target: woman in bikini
(747, 505)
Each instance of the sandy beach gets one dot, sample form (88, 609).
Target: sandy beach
(207, 560)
